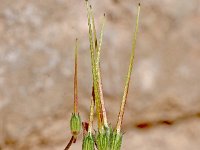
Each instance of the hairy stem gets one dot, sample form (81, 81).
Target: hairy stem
(75, 79)
(95, 84)
(99, 75)
(97, 66)
(124, 99)
(91, 116)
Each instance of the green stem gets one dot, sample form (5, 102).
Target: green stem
(99, 75)
(97, 102)
(124, 99)
(90, 127)
(97, 66)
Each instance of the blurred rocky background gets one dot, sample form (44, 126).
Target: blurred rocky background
(37, 40)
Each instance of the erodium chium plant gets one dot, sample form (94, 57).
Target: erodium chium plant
(105, 137)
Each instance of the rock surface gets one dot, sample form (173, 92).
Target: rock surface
(36, 72)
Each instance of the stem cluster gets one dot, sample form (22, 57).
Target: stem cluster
(105, 138)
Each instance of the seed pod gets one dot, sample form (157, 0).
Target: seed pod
(75, 124)
(103, 138)
(116, 141)
(88, 142)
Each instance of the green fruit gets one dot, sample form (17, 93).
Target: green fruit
(103, 138)
(88, 142)
(116, 141)
(75, 124)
